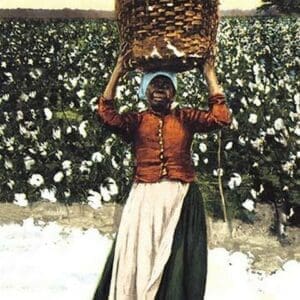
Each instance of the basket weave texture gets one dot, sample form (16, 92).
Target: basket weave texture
(174, 35)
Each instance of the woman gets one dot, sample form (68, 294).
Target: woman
(161, 250)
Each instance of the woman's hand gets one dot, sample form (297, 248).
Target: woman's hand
(118, 72)
(120, 64)
(210, 76)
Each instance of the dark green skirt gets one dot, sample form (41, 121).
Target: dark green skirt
(184, 276)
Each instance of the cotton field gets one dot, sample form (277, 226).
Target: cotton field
(52, 74)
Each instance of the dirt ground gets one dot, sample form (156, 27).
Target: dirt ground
(269, 254)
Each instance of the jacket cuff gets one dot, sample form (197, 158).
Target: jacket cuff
(217, 99)
(104, 102)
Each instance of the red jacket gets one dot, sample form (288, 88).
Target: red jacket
(162, 143)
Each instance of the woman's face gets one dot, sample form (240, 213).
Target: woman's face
(160, 93)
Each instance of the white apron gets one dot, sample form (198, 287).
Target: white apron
(144, 239)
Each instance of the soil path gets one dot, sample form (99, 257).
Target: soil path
(257, 239)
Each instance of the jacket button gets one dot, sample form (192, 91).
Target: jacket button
(161, 156)
(160, 142)
(164, 171)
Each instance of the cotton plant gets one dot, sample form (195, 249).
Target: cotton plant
(53, 127)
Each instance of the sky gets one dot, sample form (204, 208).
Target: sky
(105, 4)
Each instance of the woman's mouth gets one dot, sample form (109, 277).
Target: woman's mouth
(158, 96)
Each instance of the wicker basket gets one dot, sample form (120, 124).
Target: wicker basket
(175, 35)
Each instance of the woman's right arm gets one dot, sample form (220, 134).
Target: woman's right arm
(118, 123)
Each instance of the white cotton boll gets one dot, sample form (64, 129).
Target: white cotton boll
(108, 188)
(205, 160)
(36, 180)
(155, 52)
(244, 102)
(20, 115)
(69, 172)
(177, 52)
(11, 184)
(242, 140)
(30, 61)
(97, 157)
(48, 113)
(114, 190)
(82, 129)
(141, 105)
(218, 172)
(24, 97)
(93, 103)
(2, 128)
(58, 177)
(67, 193)
(59, 154)
(20, 199)
(256, 69)
(293, 116)
(252, 118)
(240, 82)
(256, 101)
(85, 167)
(297, 131)
(288, 167)
(5, 97)
(10, 76)
(261, 87)
(257, 143)
(270, 131)
(234, 124)
(251, 86)
(174, 104)
(3, 64)
(49, 194)
(253, 193)
(235, 181)
(108, 149)
(32, 94)
(279, 124)
(229, 146)
(106, 196)
(56, 133)
(8, 164)
(123, 109)
(248, 204)
(297, 99)
(67, 87)
(94, 199)
(80, 94)
(74, 81)
(70, 129)
(282, 140)
(195, 158)
(66, 164)
(114, 163)
(202, 147)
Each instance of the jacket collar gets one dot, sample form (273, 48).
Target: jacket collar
(159, 114)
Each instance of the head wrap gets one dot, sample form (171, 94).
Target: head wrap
(147, 77)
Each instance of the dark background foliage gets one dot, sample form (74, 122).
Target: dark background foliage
(52, 73)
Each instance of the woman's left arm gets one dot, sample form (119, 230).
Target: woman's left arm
(218, 114)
